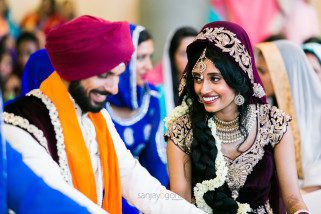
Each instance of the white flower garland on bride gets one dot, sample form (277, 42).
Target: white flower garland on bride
(221, 172)
(221, 169)
(177, 112)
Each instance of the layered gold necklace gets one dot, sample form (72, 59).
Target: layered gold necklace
(229, 131)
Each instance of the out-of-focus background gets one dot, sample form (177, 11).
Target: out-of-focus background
(23, 24)
(259, 17)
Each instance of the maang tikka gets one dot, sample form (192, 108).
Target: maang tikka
(200, 63)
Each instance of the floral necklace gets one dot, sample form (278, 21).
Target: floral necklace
(220, 165)
(221, 172)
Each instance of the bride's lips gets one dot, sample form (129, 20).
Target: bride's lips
(210, 99)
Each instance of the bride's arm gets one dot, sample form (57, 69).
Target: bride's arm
(287, 174)
(179, 169)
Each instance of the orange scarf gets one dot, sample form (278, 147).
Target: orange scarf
(77, 154)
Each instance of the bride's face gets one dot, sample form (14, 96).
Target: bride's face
(212, 90)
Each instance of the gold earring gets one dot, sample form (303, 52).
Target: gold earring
(239, 100)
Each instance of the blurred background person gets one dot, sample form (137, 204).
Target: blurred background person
(11, 72)
(167, 74)
(312, 51)
(135, 111)
(41, 20)
(7, 25)
(67, 10)
(274, 37)
(288, 78)
(10, 83)
(262, 19)
(27, 43)
(8, 43)
(44, 18)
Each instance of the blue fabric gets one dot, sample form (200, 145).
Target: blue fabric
(23, 191)
(37, 69)
(3, 178)
(3, 167)
(141, 139)
(27, 193)
(129, 95)
(143, 132)
(144, 139)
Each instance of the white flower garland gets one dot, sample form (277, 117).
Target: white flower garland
(243, 208)
(221, 172)
(177, 112)
(220, 166)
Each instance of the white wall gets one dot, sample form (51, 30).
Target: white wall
(161, 17)
(116, 10)
(19, 8)
(108, 9)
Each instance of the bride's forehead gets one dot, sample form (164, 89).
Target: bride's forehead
(206, 66)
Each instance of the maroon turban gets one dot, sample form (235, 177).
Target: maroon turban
(88, 46)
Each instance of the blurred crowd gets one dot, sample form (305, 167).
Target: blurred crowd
(19, 40)
(290, 72)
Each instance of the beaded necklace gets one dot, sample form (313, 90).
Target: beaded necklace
(229, 131)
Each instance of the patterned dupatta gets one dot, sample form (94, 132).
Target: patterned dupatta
(77, 154)
(232, 41)
(282, 90)
(305, 92)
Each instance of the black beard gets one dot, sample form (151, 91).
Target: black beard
(78, 92)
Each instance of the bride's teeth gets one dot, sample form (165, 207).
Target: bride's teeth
(208, 99)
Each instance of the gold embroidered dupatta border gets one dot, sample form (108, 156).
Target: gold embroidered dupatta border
(282, 90)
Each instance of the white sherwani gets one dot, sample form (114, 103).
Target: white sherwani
(138, 186)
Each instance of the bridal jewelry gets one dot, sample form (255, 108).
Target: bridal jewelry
(200, 64)
(239, 100)
(229, 132)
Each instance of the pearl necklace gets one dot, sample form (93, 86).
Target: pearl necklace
(229, 131)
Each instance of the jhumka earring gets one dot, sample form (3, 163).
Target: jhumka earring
(239, 100)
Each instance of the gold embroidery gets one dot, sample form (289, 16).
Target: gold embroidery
(280, 120)
(272, 126)
(229, 43)
(182, 84)
(181, 134)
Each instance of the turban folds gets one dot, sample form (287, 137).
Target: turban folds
(88, 46)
